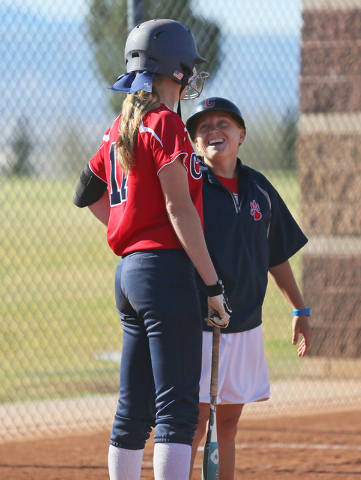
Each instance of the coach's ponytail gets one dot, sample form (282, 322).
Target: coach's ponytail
(135, 106)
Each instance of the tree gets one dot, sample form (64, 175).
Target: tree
(71, 151)
(22, 148)
(107, 22)
(289, 133)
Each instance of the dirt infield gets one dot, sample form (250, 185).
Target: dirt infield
(312, 447)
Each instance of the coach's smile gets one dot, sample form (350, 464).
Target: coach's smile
(216, 141)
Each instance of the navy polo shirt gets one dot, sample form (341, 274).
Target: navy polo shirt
(244, 240)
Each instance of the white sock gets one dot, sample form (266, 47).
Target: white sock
(172, 461)
(124, 464)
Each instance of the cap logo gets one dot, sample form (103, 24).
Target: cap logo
(178, 75)
(209, 103)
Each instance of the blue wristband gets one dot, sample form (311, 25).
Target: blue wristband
(305, 311)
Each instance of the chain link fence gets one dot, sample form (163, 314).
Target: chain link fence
(295, 73)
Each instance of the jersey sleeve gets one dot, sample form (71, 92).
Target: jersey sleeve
(285, 236)
(168, 137)
(96, 164)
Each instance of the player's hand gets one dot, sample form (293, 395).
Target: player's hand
(301, 325)
(219, 311)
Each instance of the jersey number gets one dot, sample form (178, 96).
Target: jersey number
(117, 195)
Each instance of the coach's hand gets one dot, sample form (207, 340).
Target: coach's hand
(301, 325)
(219, 308)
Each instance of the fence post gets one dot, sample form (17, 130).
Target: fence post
(135, 13)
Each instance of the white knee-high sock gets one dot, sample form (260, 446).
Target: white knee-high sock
(172, 461)
(124, 464)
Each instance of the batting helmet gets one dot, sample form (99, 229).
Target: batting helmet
(210, 105)
(162, 46)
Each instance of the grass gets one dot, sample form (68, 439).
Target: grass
(57, 295)
(57, 292)
(277, 318)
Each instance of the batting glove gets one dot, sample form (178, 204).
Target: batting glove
(219, 308)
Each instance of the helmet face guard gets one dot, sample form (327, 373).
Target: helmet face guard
(195, 85)
(213, 104)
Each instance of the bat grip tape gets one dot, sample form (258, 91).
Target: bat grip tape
(215, 361)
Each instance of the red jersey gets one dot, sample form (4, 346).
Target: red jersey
(138, 217)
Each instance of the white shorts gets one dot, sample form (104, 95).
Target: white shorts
(243, 373)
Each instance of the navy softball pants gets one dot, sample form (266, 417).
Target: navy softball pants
(157, 299)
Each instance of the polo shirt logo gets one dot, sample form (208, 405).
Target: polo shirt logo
(255, 211)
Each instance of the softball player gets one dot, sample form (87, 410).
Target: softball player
(145, 184)
(249, 232)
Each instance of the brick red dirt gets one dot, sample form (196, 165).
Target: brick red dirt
(281, 448)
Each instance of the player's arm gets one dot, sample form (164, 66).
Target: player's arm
(284, 279)
(185, 219)
(91, 191)
(101, 209)
(187, 225)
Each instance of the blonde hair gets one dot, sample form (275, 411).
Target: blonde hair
(135, 106)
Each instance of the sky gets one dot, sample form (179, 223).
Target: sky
(247, 16)
(281, 17)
